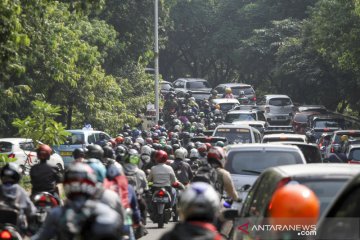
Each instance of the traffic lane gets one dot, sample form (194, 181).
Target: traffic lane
(155, 232)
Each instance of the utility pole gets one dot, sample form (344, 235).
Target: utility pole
(157, 61)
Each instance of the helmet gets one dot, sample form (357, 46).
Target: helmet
(175, 147)
(135, 133)
(168, 149)
(190, 146)
(149, 141)
(202, 148)
(120, 150)
(220, 144)
(228, 90)
(295, 203)
(108, 152)
(134, 157)
(160, 122)
(112, 143)
(180, 154)
(199, 202)
(161, 156)
(194, 154)
(43, 152)
(112, 171)
(146, 150)
(79, 179)
(128, 141)
(119, 140)
(201, 114)
(216, 155)
(217, 106)
(344, 138)
(214, 92)
(208, 146)
(10, 173)
(126, 127)
(94, 151)
(78, 153)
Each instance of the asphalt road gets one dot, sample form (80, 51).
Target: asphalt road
(155, 232)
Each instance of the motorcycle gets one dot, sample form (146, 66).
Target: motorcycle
(8, 225)
(44, 202)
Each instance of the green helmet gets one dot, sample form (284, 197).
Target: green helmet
(220, 144)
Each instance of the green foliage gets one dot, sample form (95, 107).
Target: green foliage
(40, 126)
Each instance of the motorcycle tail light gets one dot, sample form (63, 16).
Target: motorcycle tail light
(161, 193)
(5, 234)
(11, 155)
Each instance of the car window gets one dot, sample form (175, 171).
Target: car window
(234, 135)
(91, 138)
(191, 85)
(349, 206)
(280, 102)
(5, 147)
(76, 138)
(27, 146)
(311, 153)
(220, 89)
(301, 118)
(246, 90)
(281, 139)
(240, 117)
(165, 86)
(226, 106)
(353, 135)
(326, 124)
(240, 162)
(355, 154)
(179, 84)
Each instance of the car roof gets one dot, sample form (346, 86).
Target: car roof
(242, 111)
(15, 140)
(298, 143)
(233, 126)
(352, 146)
(346, 131)
(318, 169)
(192, 79)
(233, 85)
(165, 82)
(262, 147)
(81, 131)
(248, 122)
(276, 96)
(326, 116)
(284, 135)
(225, 100)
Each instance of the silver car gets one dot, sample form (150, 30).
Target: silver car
(278, 109)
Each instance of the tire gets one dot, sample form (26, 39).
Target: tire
(160, 220)
(176, 215)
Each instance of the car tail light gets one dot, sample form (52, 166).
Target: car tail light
(353, 162)
(11, 155)
(283, 182)
(5, 234)
(161, 193)
(326, 129)
(267, 109)
(254, 99)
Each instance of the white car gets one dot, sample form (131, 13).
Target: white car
(277, 109)
(23, 151)
(283, 137)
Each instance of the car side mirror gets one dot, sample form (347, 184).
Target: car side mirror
(230, 214)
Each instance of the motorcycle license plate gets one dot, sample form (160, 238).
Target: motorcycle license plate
(163, 200)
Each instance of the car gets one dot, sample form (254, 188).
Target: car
(226, 104)
(341, 219)
(23, 151)
(199, 88)
(166, 87)
(79, 138)
(282, 137)
(246, 162)
(313, 108)
(278, 109)
(259, 125)
(353, 154)
(300, 121)
(325, 180)
(311, 151)
(236, 134)
(244, 115)
(335, 146)
(248, 96)
(319, 124)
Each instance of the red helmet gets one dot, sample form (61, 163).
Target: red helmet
(202, 148)
(43, 152)
(119, 140)
(112, 142)
(161, 156)
(216, 155)
(208, 146)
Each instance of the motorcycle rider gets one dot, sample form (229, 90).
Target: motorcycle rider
(198, 208)
(81, 217)
(79, 155)
(14, 197)
(181, 168)
(94, 155)
(44, 177)
(228, 93)
(214, 94)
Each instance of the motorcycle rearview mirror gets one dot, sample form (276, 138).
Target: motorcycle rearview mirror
(230, 214)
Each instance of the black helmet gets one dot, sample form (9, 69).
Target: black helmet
(168, 149)
(94, 151)
(78, 153)
(175, 147)
(214, 92)
(108, 152)
(160, 122)
(10, 173)
(126, 127)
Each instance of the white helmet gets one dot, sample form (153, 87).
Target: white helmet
(146, 150)
(140, 140)
(180, 153)
(194, 153)
(199, 201)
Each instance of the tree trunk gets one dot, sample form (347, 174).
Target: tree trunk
(69, 116)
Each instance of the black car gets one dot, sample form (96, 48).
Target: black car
(319, 124)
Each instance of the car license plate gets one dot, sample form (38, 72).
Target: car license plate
(157, 199)
(65, 154)
(281, 117)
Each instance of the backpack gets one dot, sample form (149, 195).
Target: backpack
(180, 172)
(132, 180)
(209, 174)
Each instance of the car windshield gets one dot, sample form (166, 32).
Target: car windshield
(240, 161)
(234, 135)
(326, 124)
(354, 136)
(226, 106)
(246, 90)
(355, 154)
(282, 139)
(200, 84)
(325, 190)
(311, 153)
(240, 117)
(5, 147)
(280, 102)
(301, 118)
(76, 139)
(165, 86)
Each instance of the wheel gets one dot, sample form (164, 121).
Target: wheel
(176, 215)
(60, 167)
(160, 220)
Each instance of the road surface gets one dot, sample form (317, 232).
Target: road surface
(155, 232)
